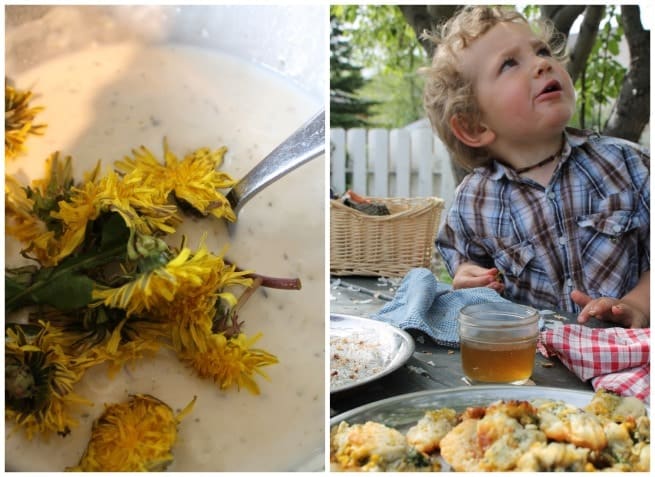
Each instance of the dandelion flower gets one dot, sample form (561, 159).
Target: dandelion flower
(134, 436)
(30, 212)
(195, 180)
(185, 273)
(39, 379)
(19, 120)
(231, 362)
(105, 334)
(192, 313)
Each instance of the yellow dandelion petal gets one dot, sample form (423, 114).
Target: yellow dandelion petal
(182, 258)
(125, 353)
(228, 298)
(20, 223)
(100, 335)
(231, 362)
(142, 207)
(190, 316)
(145, 169)
(115, 338)
(137, 296)
(200, 182)
(58, 174)
(230, 277)
(75, 215)
(44, 248)
(19, 119)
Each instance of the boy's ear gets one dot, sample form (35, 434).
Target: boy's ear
(472, 135)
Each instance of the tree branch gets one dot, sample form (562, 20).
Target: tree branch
(562, 16)
(586, 39)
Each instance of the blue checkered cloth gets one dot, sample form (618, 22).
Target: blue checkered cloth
(422, 303)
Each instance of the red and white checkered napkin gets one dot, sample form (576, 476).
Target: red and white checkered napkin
(615, 359)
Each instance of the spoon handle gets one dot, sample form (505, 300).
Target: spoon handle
(306, 143)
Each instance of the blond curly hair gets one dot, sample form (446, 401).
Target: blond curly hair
(447, 92)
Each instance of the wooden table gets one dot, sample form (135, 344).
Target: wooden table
(432, 366)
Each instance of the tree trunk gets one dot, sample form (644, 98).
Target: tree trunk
(421, 18)
(427, 17)
(632, 111)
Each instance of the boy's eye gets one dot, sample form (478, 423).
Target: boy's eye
(544, 51)
(508, 63)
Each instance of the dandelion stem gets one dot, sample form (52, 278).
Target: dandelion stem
(273, 282)
(80, 263)
(246, 294)
(279, 283)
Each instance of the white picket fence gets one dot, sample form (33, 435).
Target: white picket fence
(410, 162)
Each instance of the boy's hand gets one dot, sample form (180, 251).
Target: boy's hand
(609, 309)
(469, 275)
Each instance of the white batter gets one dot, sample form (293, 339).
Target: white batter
(105, 101)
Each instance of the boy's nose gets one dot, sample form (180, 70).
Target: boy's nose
(542, 66)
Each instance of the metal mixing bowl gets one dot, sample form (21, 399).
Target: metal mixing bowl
(289, 41)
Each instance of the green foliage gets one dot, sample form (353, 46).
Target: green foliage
(600, 83)
(443, 276)
(531, 11)
(400, 97)
(348, 109)
(385, 44)
(379, 39)
(65, 286)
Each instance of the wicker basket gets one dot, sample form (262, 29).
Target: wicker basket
(387, 245)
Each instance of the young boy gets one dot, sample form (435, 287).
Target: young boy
(549, 216)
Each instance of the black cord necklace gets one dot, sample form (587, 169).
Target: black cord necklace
(538, 164)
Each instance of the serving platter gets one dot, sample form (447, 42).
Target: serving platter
(404, 410)
(364, 350)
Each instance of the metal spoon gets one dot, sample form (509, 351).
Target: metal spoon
(304, 144)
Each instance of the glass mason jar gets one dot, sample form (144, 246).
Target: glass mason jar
(498, 342)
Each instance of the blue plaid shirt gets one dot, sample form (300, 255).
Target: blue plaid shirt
(589, 229)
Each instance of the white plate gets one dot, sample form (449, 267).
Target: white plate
(385, 349)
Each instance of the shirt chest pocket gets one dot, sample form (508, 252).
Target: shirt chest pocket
(609, 245)
(511, 260)
(615, 218)
(612, 227)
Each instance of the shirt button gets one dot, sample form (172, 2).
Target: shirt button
(551, 195)
(562, 240)
(617, 228)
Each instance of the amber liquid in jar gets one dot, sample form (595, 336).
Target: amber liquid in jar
(498, 362)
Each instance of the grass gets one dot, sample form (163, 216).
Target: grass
(439, 269)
